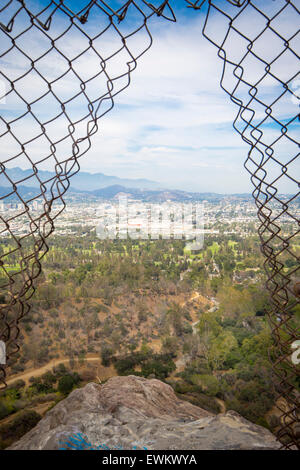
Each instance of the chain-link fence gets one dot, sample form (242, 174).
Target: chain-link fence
(259, 46)
(50, 123)
(47, 45)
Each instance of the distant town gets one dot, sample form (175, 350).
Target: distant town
(232, 214)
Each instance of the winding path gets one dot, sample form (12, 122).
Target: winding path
(46, 368)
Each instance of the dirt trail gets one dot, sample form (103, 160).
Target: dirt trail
(41, 370)
(196, 295)
(222, 405)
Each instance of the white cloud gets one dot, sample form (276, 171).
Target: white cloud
(173, 124)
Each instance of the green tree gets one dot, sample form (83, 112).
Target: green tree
(220, 348)
(66, 384)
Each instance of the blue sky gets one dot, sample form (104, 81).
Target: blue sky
(174, 123)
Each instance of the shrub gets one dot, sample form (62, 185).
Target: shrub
(5, 410)
(106, 354)
(103, 308)
(67, 382)
(249, 391)
(183, 387)
(59, 370)
(17, 384)
(159, 368)
(208, 383)
(14, 430)
(203, 401)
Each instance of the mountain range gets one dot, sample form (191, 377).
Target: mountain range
(82, 181)
(86, 186)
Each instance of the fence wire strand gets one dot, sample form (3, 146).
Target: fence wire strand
(254, 50)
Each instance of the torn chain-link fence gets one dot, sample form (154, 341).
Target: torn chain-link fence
(50, 124)
(259, 46)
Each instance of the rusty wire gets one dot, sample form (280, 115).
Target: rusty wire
(265, 54)
(38, 43)
(270, 160)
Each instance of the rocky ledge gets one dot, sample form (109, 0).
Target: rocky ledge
(133, 412)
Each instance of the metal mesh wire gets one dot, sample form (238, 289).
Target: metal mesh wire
(259, 73)
(257, 42)
(44, 47)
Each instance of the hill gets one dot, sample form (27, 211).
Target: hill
(81, 181)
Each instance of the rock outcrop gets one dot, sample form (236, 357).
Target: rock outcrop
(132, 411)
